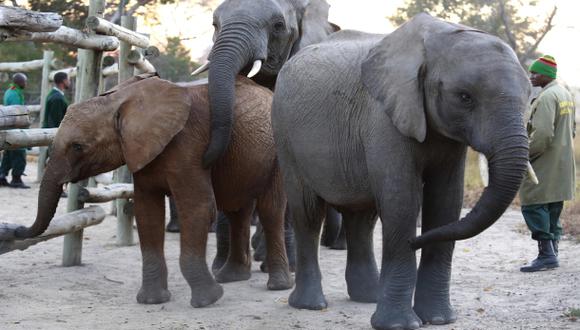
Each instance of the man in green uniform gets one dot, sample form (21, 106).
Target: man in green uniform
(551, 130)
(56, 103)
(14, 160)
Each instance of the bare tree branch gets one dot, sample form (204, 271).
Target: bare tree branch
(138, 5)
(547, 27)
(507, 26)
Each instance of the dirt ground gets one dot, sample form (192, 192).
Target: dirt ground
(488, 291)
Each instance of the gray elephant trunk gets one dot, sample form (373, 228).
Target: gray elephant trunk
(50, 191)
(232, 51)
(507, 167)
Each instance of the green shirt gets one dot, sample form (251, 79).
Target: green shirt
(56, 105)
(551, 130)
(14, 96)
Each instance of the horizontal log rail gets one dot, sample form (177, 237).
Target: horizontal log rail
(106, 193)
(67, 36)
(22, 19)
(25, 138)
(64, 224)
(17, 116)
(26, 66)
(102, 26)
(140, 62)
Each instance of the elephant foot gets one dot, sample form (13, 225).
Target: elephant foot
(395, 318)
(233, 273)
(172, 227)
(362, 282)
(307, 298)
(150, 296)
(434, 313)
(218, 263)
(206, 295)
(281, 280)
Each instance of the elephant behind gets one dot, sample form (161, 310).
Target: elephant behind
(379, 125)
(160, 130)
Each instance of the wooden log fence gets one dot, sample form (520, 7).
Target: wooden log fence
(17, 116)
(129, 36)
(27, 66)
(22, 19)
(64, 224)
(67, 36)
(106, 193)
(142, 65)
(25, 138)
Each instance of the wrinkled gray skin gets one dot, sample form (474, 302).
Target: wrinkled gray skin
(379, 125)
(250, 30)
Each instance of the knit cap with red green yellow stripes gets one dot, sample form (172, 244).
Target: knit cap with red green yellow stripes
(545, 65)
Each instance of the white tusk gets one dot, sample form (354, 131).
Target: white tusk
(201, 69)
(483, 170)
(532, 174)
(255, 69)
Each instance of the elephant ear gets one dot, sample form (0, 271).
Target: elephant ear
(150, 113)
(392, 74)
(130, 81)
(314, 24)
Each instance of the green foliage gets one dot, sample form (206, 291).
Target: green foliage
(174, 63)
(501, 18)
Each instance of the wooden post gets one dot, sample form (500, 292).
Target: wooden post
(48, 55)
(88, 72)
(124, 219)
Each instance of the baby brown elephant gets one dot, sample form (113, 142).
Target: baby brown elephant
(161, 130)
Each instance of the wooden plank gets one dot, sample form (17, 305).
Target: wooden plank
(105, 27)
(24, 138)
(67, 36)
(64, 224)
(18, 18)
(106, 193)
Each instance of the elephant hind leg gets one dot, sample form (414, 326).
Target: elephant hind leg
(271, 207)
(362, 275)
(307, 211)
(238, 264)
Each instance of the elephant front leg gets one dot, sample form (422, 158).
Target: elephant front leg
(399, 210)
(150, 215)
(432, 303)
(362, 275)
(196, 212)
(238, 264)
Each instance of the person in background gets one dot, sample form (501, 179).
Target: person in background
(56, 102)
(551, 130)
(14, 160)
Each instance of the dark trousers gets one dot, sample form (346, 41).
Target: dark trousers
(543, 220)
(15, 160)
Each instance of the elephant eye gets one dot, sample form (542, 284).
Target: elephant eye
(279, 26)
(465, 98)
(77, 147)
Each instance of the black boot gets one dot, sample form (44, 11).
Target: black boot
(17, 182)
(555, 245)
(547, 259)
(173, 225)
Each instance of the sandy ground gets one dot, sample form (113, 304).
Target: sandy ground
(488, 291)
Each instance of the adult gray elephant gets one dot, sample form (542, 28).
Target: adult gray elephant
(377, 124)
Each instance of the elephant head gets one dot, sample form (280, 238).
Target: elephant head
(257, 36)
(130, 124)
(441, 80)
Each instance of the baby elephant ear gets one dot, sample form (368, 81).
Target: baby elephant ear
(151, 112)
(392, 73)
(130, 81)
